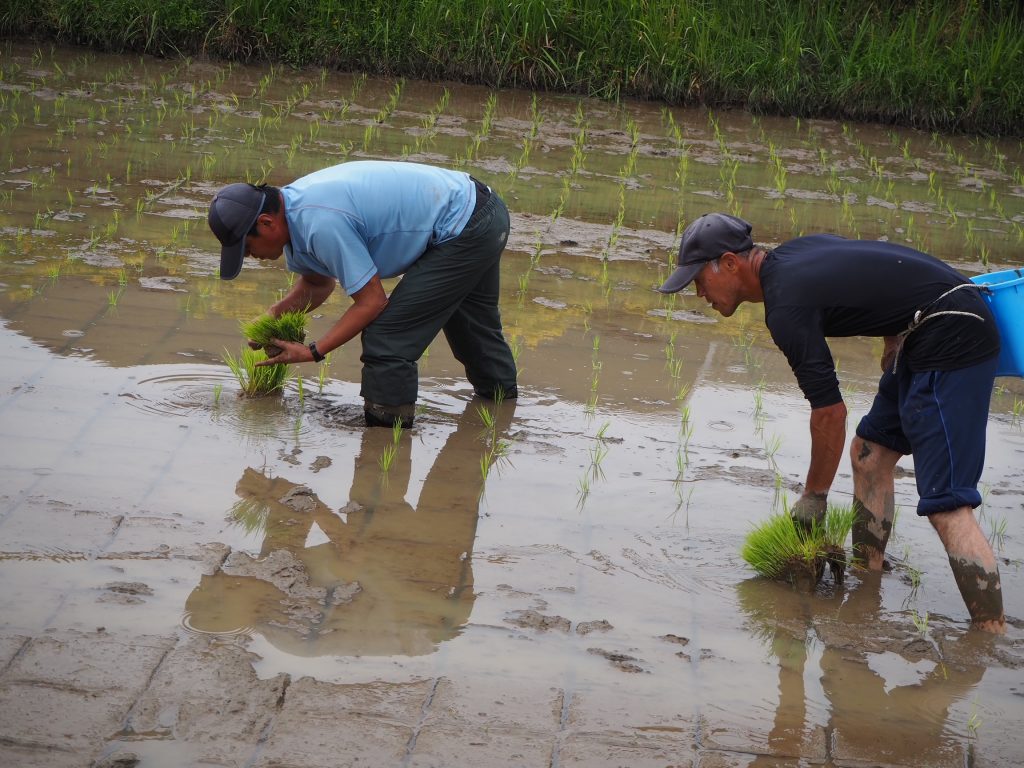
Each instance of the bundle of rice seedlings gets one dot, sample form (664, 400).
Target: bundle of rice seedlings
(289, 326)
(778, 549)
(838, 524)
(256, 380)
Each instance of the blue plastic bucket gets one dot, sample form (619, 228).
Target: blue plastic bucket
(1007, 303)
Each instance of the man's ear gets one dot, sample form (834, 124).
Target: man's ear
(268, 221)
(730, 261)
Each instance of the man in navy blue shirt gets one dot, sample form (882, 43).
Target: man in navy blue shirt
(939, 363)
(362, 221)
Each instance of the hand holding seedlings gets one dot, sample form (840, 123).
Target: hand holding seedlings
(809, 510)
(280, 351)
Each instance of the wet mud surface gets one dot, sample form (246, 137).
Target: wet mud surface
(195, 578)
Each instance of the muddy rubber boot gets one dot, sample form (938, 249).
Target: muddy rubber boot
(378, 415)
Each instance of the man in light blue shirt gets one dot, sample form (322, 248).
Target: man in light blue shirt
(362, 221)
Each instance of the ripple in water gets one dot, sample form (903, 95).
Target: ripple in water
(188, 626)
(215, 394)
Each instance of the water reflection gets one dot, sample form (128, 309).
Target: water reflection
(379, 577)
(888, 690)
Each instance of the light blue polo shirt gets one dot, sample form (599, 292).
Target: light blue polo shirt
(364, 218)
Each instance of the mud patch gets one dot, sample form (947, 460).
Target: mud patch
(533, 620)
(622, 661)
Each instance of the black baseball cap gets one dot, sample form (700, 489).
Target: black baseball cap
(704, 240)
(233, 212)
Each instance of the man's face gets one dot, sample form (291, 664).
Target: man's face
(268, 242)
(719, 287)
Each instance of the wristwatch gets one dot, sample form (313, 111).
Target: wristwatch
(317, 357)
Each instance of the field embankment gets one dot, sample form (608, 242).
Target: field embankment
(950, 65)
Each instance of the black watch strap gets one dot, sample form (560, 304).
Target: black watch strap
(317, 357)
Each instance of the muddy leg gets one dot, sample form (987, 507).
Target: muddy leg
(974, 567)
(873, 500)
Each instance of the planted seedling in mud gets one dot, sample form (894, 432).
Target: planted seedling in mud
(387, 458)
(321, 373)
(779, 549)
(920, 621)
(256, 380)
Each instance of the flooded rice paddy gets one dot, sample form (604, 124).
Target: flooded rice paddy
(196, 578)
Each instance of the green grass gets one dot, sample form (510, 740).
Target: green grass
(776, 548)
(935, 64)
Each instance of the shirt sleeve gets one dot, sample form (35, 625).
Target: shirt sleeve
(799, 333)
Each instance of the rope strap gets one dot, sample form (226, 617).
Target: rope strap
(921, 316)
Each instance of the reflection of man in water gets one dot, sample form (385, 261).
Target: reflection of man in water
(869, 719)
(939, 363)
(359, 222)
(389, 578)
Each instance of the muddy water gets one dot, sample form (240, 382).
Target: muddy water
(576, 551)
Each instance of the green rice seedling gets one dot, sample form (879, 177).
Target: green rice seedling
(776, 550)
(387, 457)
(997, 538)
(486, 417)
(321, 373)
(771, 447)
(289, 326)
(597, 453)
(256, 380)
(583, 489)
(974, 721)
(779, 549)
(495, 452)
(217, 389)
(920, 621)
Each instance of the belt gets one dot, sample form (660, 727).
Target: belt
(483, 194)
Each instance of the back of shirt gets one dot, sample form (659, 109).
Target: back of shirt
(364, 218)
(825, 285)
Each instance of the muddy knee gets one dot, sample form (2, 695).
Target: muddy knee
(869, 459)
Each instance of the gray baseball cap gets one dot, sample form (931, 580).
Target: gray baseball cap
(704, 240)
(233, 212)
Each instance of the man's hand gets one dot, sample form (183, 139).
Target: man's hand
(809, 510)
(290, 352)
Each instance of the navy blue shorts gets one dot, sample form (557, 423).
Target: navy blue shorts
(940, 417)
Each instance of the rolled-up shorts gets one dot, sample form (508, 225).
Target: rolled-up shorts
(940, 418)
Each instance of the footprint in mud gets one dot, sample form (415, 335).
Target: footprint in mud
(586, 627)
(530, 619)
(619, 660)
(125, 592)
(533, 620)
(320, 462)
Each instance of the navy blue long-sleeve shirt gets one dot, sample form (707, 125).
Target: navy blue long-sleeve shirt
(825, 285)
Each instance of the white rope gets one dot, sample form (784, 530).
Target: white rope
(920, 318)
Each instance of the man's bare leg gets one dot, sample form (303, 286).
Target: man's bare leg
(874, 500)
(974, 567)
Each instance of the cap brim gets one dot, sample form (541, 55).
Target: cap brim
(231, 258)
(681, 278)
